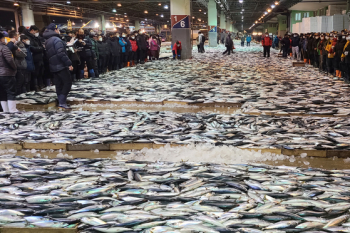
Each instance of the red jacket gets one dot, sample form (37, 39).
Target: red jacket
(134, 46)
(266, 41)
(175, 48)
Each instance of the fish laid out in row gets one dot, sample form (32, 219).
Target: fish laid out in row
(246, 131)
(103, 195)
(264, 85)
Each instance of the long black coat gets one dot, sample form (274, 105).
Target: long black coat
(103, 48)
(56, 51)
(141, 42)
(114, 46)
(36, 47)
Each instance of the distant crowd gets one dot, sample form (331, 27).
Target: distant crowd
(32, 59)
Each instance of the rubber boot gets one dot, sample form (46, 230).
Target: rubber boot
(305, 60)
(128, 65)
(81, 74)
(12, 106)
(62, 102)
(133, 63)
(5, 107)
(92, 73)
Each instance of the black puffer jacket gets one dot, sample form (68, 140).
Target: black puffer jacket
(141, 42)
(314, 45)
(103, 48)
(35, 47)
(295, 41)
(339, 47)
(114, 46)
(229, 42)
(56, 51)
(84, 50)
(7, 64)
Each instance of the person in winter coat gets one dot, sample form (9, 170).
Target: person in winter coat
(223, 37)
(127, 50)
(177, 48)
(84, 46)
(342, 61)
(37, 50)
(330, 54)
(154, 47)
(114, 48)
(122, 44)
(266, 43)
(142, 46)
(315, 51)
(276, 42)
(159, 42)
(249, 39)
(285, 42)
(95, 55)
(73, 56)
(321, 49)
(346, 58)
(8, 71)
(13, 36)
(303, 46)
(338, 49)
(310, 51)
(134, 48)
(103, 52)
(242, 41)
(228, 45)
(30, 63)
(21, 63)
(60, 65)
(295, 46)
(201, 41)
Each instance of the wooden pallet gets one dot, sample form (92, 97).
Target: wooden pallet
(298, 64)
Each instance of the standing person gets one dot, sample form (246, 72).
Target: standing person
(346, 59)
(330, 57)
(95, 55)
(21, 63)
(315, 52)
(13, 40)
(30, 63)
(242, 41)
(8, 71)
(295, 46)
(37, 50)
(84, 46)
(339, 49)
(223, 37)
(127, 49)
(342, 61)
(122, 44)
(60, 65)
(159, 42)
(73, 56)
(266, 43)
(228, 45)
(177, 48)
(154, 47)
(303, 46)
(310, 51)
(142, 46)
(249, 39)
(323, 52)
(285, 42)
(134, 49)
(201, 40)
(103, 51)
(276, 42)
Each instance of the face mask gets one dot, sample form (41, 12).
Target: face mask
(28, 42)
(118, 35)
(317, 37)
(327, 37)
(295, 35)
(123, 35)
(343, 37)
(178, 45)
(322, 38)
(133, 37)
(136, 34)
(100, 39)
(36, 34)
(267, 35)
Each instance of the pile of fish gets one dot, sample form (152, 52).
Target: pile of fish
(261, 84)
(103, 195)
(245, 131)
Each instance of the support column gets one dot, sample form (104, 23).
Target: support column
(27, 15)
(103, 24)
(231, 27)
(222, 21)
(228, 23)
(181, 25)
(212, 23)
(137, 25)
(347, 6)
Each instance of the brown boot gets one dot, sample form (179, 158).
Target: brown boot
(133, 63)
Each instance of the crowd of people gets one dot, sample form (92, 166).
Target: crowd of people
(32, 59)
(329, 52)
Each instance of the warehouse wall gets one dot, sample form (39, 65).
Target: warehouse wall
(271, 28)
(293, 17)
(282, 25)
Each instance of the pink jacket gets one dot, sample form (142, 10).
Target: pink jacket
(153, 45)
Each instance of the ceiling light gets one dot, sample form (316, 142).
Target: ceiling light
(119, 4)
(269, 10)
(156, 14)
(200, 10)
(125, 16)
(146, 12)
(159, 4)
(162, 15)
(242, 9)
(265, 13)
(272, 6)
(16, 4)
(256, 21)
(193, 17)
(166, 7)
(127, 20)
(205, 13)
(116, 19)
(96, 25)
(68, 2)
(240, 1)
(114, 10)
(276, 3)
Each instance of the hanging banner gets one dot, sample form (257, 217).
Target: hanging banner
(213, 29)
(180, 21)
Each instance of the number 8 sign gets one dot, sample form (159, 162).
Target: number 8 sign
(180, 21)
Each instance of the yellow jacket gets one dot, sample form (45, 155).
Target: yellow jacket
(346, 45)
